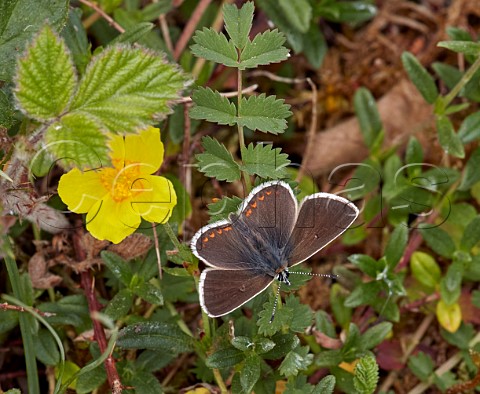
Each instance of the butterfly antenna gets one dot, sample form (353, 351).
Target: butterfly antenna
(331, 276)
(275, 302)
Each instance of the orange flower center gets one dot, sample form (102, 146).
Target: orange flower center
(122, 183)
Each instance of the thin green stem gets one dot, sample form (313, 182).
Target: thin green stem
(172, 236)
(241, 137)
(26, 321)
(463, 81)
(220, 382)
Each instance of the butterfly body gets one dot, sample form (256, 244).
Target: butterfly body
(269, 234)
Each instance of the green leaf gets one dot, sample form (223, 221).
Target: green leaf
(471, 235)
(217, 161)
(7, 111)
(396, 245)
(465, 47)
(144, 383)
(215, 47)
(375, 335)
(211, 106)
(283, 344)
(323, 323)
(341, 311)
(264, 345)
(118, 266)
(149, 293)
(314, 46)
(366, 375)
(301, 316)
(19, 22)
(225, 358)
(133, 34)
(46, 349)
(263, 113)
(471, 175)
(223, 207)
(325, 386)
(45, 77)
(438, 239)
(266, 48)
(346, 11)
(298, 13)
(420, 77)
(365, 263)
(448, 74)
(242, 343)
(250, 372)
(470, 128)
(414, 157)
(120, 304)
(363, 294)
(368, 117)
(329, 358)
(126, 88)
(75, 37)
(238, 22)
(76, 141)
(296, 360)
(421, 365)
(264, 161)
(425, 269)
(90, 380)
(153, 10)
(461, 338)
(451, 284)
(157, 335)
(281, 319)
(449, 140)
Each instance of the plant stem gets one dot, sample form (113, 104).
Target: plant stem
(463, 81)
(172, 236)
(220, 382)
(241, 137)
(26, 321)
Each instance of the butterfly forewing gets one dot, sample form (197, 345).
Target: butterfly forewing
(271, 211)
(321, 219)
(222, 291)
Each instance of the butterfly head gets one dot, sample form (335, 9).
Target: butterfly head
(282, 276)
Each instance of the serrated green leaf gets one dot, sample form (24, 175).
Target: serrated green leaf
(366, 375)
(420, 77)
(225, 358)
(217, 161)
(471, 174)
(14, 35)
(149, 293)
(421, 365)
(76, 141)
(46, 348)
(368, 116)
(263, 113)
(470, 128)
(439, 240)
(295, 361)
(465, 47)
(266, 48)
(396, 245)
(220, 209)
(126, 88)
(133, 34)
(238, 22)
(250, 372)
(325, 386)
(211, 106)
(449, 140)
(471, 235)
(298, 13)
(425, 269)
(120, 304)
(282, 317)
(157, 336)
(215, 47)
(118, 266)
(375, 335)
(144, 383)
(301, 316)
(264, 161)
(45, 77)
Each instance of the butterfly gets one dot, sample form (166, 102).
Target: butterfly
(270, 233)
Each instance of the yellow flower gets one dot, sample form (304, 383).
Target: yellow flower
(116, 198)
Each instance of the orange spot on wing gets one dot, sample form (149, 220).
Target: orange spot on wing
(268, 193)
(227, 228)
(212, 235)
(205, 239)
(261, 198)
(253, 205)
(248, 213)
(219, 231)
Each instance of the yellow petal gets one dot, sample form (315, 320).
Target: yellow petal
(112, 220)
(157, 199)
(81, 190)
(117, 150)
(145, 148)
